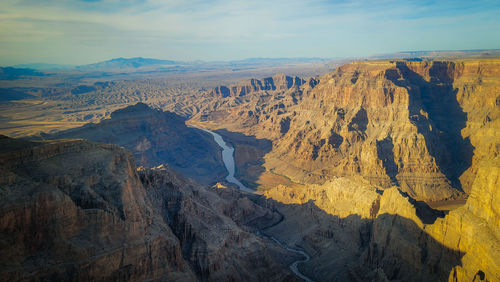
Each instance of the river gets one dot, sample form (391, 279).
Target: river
(228, 159)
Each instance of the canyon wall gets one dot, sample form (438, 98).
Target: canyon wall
(77, 210)
(421, 126)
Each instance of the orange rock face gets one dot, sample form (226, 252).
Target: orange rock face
(422, 126)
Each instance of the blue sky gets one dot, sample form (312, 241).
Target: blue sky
(87, 31)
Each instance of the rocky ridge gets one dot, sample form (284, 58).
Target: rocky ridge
(77, 210)
(155, 137)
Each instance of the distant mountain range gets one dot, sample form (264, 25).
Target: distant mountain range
(150, 64)
(127, 63)
(136, 63)
(139, 62)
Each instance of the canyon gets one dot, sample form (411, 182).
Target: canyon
(381, 170)
(421, 126)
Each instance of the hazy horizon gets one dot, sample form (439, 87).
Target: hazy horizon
(89, 31)
(243, 59)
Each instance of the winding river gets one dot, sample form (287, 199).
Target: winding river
(295, 265)
(228, 159)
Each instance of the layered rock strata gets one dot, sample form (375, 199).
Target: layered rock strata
(421, 126)
(278, 82)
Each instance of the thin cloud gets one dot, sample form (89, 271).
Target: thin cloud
(221, 29)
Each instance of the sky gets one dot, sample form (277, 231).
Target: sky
(88, 31)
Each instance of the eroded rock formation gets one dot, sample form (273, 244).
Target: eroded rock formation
(77, 210)
(365, 145)
(356, 231)
(278, 82)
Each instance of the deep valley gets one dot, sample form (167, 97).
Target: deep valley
(375, 170)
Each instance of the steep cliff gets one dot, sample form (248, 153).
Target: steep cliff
(76, 210)
(474, 229)
(355, 231)
(421, 126)
(155, 137)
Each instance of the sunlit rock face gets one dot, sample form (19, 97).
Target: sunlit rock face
(474, 229)
(422, 126)
(77, 210)
(356, 231)
(368, 142)
(429, 130)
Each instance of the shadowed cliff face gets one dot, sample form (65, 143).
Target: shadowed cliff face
(155, 137)
(68, 208)
(434, 109)
(385, 152)
(80, 211)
